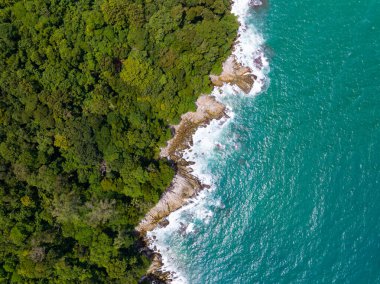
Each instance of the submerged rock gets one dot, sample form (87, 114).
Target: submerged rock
(255, 4)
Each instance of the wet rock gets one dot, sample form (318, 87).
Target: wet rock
(258, 62)
(257, 4)
(164, 223)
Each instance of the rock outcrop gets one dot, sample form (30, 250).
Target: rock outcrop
(235, 74)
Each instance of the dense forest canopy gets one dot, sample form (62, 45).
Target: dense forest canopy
(88, 89)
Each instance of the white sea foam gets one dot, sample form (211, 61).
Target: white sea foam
(207, 143)
(249, 49)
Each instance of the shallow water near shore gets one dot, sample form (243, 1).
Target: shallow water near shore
(295, 173)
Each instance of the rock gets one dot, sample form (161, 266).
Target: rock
(256, 4)
(234, 74)
(164, 222)
(258, 62)
(206, 186)
(216, 81)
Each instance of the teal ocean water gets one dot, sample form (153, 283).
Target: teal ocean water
(297, 170)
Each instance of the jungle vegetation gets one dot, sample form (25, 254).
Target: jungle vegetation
(87, 91)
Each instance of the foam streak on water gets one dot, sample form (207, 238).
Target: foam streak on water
(209, 144)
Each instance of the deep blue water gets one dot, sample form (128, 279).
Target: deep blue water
(299, 180)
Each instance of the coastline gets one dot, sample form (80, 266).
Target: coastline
(243, 72)
(185, 184)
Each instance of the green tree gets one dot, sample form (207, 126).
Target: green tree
(87, 91)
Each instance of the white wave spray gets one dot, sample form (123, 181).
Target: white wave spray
(248, 51)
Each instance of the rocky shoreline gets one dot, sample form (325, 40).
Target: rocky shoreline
(235, 74)
(185, 185)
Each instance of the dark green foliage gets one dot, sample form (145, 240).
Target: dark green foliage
(87, 90)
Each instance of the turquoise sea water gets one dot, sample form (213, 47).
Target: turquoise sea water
(298, 183)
